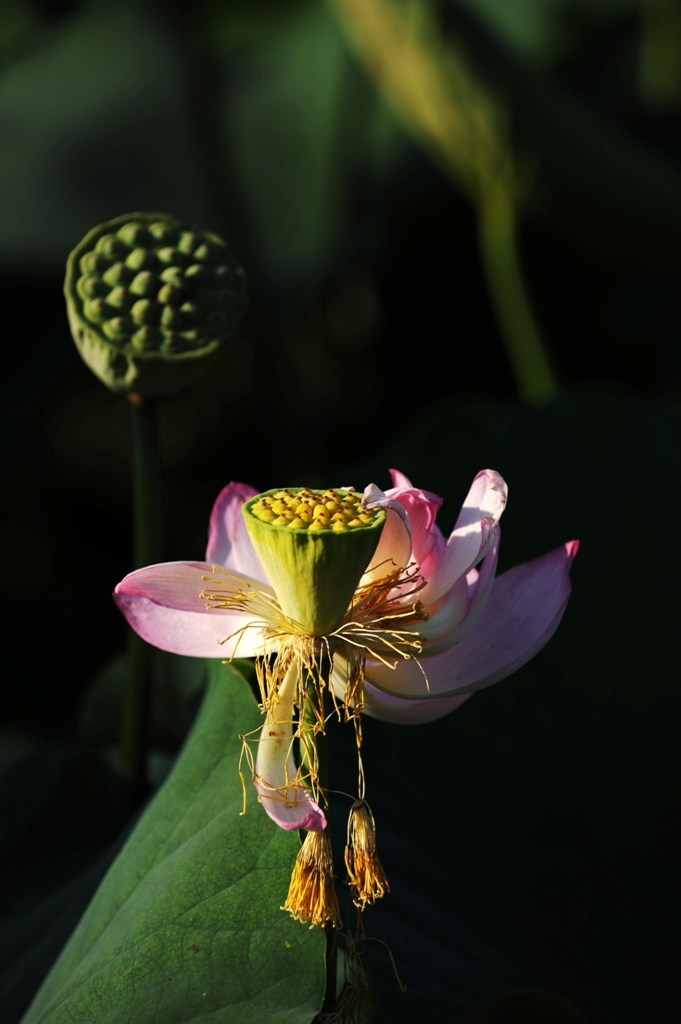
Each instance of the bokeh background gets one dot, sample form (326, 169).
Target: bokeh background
(460, 223)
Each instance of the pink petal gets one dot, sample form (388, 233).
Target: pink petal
(473, 534)
(408, 712)
(422, 506)
(391, 708)
(400, 480)
(162, 604)
(228, 539)
(447, 618)
(488, 496)
(462, 606)
(521, 615)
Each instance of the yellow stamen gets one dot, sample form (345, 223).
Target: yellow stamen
(366, 876)
(297, 665)
(375, 621)
(374, 627)
(312, 896)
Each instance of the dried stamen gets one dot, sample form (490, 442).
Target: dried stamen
(366, 876)
(312, 896)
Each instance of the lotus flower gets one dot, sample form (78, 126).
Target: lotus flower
(354, 597)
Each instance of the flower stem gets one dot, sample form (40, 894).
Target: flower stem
(498, 241)
(331, 959)
(659, 60)
(311, 763)
(147, 549)
(307, 747)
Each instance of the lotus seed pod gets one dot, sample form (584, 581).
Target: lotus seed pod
(150, 301)
(315, 545)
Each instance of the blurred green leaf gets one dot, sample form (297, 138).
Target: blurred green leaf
(546, 31)
(301, 127)
(459, 118)
(18, 22)
(96, 121)
(176, 687)
(485, 114)
(187, 924)
(442, 101)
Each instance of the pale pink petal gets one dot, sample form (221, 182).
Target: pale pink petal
(461, 607)
(290, 806)
(162, 604)
(400, 480)
(446, 616)
(487, 497)
(393, 708)
(521, 615)
(228, 539)
(473, 534)
(280, 791)
(408, 712)
(394, 547)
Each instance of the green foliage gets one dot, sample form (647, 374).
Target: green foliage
(545, 31)
(187, 922)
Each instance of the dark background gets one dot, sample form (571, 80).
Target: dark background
(371, 340)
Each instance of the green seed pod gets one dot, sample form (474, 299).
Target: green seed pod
(117, 274)
(93, 263)
(173, 275)
(315, 545)
(92, 288)
(146, 311)
(147, 338)
(120, 298)
(150, 300)
(189, 240)
(144, 284)
(96, 310)
(140, 259)
(135, 235)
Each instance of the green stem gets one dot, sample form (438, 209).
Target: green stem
(498, 241)
(659, 60)
(309, 757)
(147, 549)
(147, 465)
(308, 760)
(331, 958)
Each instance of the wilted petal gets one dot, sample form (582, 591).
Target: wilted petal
(228, 539)
(422, 506)
(446, 617)
(162, 604)
(408, 712)
(487, 497)
(391, 707)
(282, 794)
(458, 612)
(400, 481)
(473, 534)
(521, 615)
